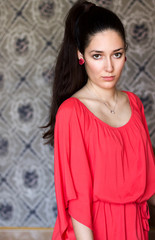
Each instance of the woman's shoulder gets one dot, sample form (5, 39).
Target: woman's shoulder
(72, 103)
(67, 108)
(133, 97)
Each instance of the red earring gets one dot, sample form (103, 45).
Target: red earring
(125, 59)
(81, 61)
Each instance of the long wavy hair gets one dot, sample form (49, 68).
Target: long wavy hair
(84, 20)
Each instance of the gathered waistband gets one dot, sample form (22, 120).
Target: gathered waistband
(143, 210)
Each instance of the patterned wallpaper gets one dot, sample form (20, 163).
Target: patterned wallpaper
(30, 34)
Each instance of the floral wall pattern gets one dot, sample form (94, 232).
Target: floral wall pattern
(30, 35)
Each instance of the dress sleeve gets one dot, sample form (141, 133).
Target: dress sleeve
(73, 182)
(150, 166)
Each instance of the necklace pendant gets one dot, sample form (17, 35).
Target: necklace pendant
(112, 111)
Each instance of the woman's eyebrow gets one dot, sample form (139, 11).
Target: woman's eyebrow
(118, 49)
(99, 51)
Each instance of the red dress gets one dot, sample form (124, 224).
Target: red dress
(103, 175)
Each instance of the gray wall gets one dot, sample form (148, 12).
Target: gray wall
(30, 35)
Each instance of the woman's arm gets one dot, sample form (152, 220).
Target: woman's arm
(152, 200)
(81, 231)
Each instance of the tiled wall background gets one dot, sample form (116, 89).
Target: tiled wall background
(30, 34)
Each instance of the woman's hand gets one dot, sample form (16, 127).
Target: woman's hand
(152, 200)
(81, 231)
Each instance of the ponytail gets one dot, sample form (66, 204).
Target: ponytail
(69, 75)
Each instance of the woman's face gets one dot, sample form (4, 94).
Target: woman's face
(104, 58)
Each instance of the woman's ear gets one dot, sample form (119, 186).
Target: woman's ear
(79, 54)
(80, 57)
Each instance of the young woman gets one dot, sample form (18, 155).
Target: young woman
(104, 162)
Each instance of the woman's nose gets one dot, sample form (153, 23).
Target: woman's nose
(108, 65)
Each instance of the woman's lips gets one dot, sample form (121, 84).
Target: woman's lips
(106, 78)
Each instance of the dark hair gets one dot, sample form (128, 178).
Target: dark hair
(84, 20)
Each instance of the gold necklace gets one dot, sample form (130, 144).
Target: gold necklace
(111, 110)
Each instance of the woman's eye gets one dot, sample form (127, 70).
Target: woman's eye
(96, 56)
(118, 55)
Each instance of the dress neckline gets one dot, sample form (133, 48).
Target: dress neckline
(106, 124)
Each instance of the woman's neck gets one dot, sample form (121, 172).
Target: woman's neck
(107, 95)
